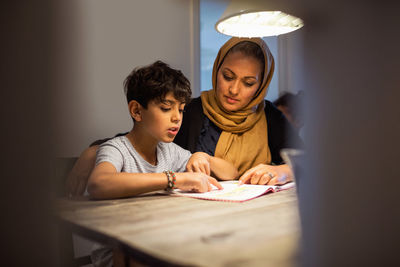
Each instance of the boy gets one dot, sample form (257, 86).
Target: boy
(145, 159)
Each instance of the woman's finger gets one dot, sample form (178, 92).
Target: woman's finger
(81, 188)
(255, 178)
(273, 181)
(245, 177)
(265, 179)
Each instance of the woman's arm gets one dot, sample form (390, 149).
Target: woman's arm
(106, 183)
(220, 168)
(77, 178)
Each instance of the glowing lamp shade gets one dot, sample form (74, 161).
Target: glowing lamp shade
(254, 18)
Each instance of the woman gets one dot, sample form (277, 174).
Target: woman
(234, 122)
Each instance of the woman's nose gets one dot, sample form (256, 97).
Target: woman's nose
(234, 88)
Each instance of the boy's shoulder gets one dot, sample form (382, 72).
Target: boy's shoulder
(166, 146)
(171, 147)
(117, 141)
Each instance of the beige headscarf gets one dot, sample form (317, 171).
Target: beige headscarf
(244, 137)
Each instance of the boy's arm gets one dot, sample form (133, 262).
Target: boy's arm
(106, 183)
(220, 168)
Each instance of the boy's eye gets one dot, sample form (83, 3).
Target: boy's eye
(181, 110)
(165, 109)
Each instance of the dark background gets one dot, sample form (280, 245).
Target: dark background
(27, 90)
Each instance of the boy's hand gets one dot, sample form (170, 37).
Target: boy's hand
(195, 182)
(199, 162)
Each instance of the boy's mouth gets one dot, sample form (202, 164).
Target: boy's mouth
(173, 130)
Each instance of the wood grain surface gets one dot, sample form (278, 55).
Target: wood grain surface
(175, 230)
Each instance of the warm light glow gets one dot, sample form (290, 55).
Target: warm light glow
(259, 24)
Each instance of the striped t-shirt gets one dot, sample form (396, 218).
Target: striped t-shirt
(120, 153)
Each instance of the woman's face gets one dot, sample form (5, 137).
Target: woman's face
(238, 79)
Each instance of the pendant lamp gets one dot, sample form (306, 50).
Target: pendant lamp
(256, 18)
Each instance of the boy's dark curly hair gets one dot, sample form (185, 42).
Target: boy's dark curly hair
(154, 81)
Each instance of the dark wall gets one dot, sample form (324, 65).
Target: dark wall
(27, 236)
(350, 199)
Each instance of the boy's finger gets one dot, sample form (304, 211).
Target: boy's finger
(209, 187)
(215, 182)
(197, 169)
(202, 169)
(189, 167)
(193, 168)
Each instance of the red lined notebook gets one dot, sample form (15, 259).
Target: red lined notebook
(233, 192)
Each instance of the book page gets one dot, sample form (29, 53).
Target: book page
(233, 192)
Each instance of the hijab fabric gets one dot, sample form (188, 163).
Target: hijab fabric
(244, 137)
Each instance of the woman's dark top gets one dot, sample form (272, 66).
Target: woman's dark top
(198, 133)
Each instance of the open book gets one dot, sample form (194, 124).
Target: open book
(233, 192)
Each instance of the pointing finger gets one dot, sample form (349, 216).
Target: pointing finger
(215, 182)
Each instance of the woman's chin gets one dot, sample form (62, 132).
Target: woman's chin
(231, 107)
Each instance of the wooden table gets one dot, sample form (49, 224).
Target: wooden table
(174, 230)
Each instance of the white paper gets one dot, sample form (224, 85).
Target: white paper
(233, 192)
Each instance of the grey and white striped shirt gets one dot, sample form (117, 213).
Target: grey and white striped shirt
(120, 153)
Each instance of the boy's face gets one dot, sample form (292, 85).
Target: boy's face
(162, 120)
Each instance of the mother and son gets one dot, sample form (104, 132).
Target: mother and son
(229, 132)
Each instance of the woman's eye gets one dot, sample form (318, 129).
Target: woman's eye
(228, 78)
(249, 84)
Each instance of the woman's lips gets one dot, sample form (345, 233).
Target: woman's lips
(231, 100)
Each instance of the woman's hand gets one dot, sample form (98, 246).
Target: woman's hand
(77, 178)
(199, 162)
(267, 175)
(195, 182)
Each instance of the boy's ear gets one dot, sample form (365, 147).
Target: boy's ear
(135, 109)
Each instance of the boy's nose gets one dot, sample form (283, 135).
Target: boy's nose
(176, 116)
